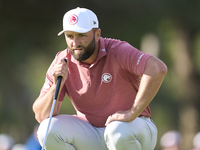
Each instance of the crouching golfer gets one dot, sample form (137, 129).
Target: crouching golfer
(110, 84)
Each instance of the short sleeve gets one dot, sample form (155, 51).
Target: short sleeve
(131, 59)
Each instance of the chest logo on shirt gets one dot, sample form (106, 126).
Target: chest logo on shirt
(106, 77)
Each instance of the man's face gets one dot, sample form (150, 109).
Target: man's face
(81, 45)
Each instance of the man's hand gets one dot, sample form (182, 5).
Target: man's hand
(60, 69)
(121, 115)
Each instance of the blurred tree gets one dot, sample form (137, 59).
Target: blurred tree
(184, 85)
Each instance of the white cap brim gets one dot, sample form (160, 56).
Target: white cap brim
(80, 30)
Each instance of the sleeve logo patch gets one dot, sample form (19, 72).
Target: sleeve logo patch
(138, 62)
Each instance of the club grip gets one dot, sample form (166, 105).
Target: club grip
(57, 87)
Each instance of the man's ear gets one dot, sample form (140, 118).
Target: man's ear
(97, 34)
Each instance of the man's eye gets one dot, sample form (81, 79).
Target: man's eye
(81, 35)
(70, 36)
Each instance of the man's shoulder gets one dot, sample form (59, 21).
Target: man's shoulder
(115, 45)
(112, 42)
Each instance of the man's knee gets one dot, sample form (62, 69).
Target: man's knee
(117, 129)
(42, 130)
(56, 137)
(56, 126)
(118, 137)
(53, 132)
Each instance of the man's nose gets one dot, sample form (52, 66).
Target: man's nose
(76, 42)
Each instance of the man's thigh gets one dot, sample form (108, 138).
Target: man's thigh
(70, 132)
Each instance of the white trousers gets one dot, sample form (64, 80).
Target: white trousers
(69, 132)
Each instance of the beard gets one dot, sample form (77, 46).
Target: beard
(86, 51)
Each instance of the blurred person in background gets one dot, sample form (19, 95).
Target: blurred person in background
(6, 142)
(196, 142)
(170, 140)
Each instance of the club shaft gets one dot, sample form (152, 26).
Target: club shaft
(52, 108)
(51, 114)
(59, 79)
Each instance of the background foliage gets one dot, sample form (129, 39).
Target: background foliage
(169, 29)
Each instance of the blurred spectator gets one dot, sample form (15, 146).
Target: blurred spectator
(196, 142)
(170, 140)
(19, 147)
(32, 142)
(6, 142)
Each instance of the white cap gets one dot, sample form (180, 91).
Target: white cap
(79, 20)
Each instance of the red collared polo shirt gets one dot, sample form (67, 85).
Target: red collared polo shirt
(106, 86)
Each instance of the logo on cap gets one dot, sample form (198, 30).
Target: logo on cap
(73, 19)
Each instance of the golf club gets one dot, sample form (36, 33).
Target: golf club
(53, 105)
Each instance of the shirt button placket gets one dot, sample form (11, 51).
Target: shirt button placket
(88, 78)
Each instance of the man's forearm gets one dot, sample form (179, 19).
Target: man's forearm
(42, 105)
(150, 83)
